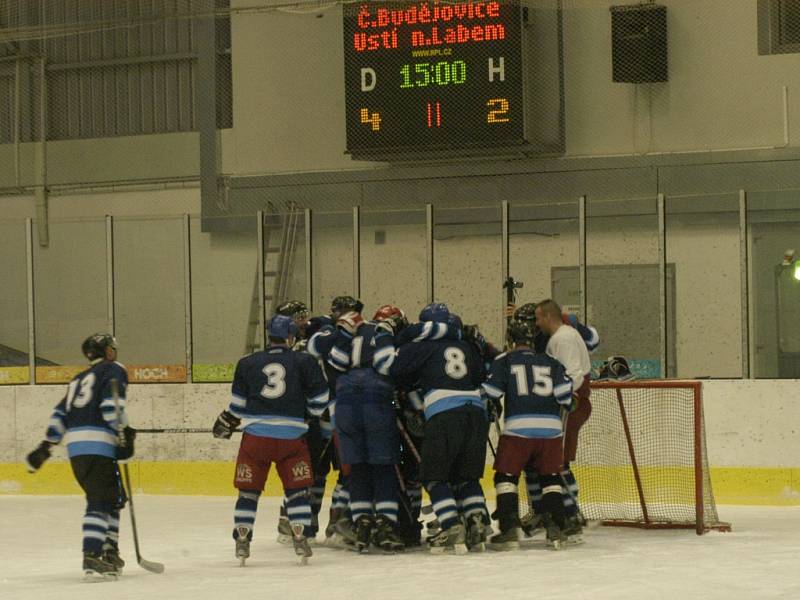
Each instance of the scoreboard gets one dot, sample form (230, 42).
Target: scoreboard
(432, 75)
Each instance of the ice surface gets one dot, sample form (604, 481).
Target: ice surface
(40, 559)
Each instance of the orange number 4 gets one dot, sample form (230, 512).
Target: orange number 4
(373, 119)
(498, 107)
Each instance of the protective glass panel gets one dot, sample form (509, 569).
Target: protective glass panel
(468, 272)
(544, 253)
(703, 245)
(70, 294)
(393, 260)
(149, 297)
(14, 351)
(774, 235)
(332, 263)
(225, 300)
(622, 288)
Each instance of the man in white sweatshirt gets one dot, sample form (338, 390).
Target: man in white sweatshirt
(568, 347)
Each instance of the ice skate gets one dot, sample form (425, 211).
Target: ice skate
(531, 524)
(573, 530)
(505, 540)
(476, 534)
(363, 527)
(300, 542)
(111, 555)
(449, 541)
(95, 569)
(385, 537)
(243, 537)
(556, 536)
(284, 531)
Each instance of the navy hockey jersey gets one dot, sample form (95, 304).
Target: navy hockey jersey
(86, 418)
(273, 389)
(535, 387)
(370, 347)
(448, 373)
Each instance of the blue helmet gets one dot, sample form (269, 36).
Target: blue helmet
(436, 312)
(281, 326)
(455, 320)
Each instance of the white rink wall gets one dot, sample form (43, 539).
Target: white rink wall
(752, 430)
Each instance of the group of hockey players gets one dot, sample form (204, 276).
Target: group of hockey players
(393, 406)
(398, 406)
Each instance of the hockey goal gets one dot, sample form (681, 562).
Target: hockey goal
(642, 458)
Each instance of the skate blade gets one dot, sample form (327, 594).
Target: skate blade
(241, 560)
(504, 546)
(478, 547)
(303, 561)
(92, 576)
(455, 550)
(557, 545)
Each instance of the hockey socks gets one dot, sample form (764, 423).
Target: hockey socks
(95, 529)
(245, 514)
(112, 537)
(298, 509)
(570, 508)
(384, 489)
(360, 483)
(470, 499)
(534, 492)
(444, 504)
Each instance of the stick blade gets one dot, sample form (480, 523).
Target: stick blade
(153, 567)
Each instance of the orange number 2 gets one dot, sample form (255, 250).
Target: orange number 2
(498, 107)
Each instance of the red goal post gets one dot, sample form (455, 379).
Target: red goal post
(642, 459)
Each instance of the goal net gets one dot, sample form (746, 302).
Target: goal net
(642, 457)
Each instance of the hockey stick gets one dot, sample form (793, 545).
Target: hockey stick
(180, 430)
(404, 493)
(407, 439)
(147, 565)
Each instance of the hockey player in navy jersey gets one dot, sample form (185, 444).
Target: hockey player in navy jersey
(366, 426)
(272, 392)
(449, 373)
(321, 332)
(319, 433)
(536, 387)
(90, 421)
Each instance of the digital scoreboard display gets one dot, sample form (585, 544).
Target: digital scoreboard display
(432, 75)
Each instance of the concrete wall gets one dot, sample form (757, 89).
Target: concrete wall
(752, 463)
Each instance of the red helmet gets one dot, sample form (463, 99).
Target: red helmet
(388, 311)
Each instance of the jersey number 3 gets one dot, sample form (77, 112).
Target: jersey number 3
(276, 381)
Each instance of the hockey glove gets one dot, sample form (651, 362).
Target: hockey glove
(125, 449)
(350, 322)
(415, 423)
(225, 425)
(37, 458)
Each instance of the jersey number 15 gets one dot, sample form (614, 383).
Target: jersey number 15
(542, 381)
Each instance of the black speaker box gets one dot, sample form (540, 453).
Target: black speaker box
(639, 43)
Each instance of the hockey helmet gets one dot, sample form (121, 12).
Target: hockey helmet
(436, 312)
(454, 320)
(281, 327)
(616, 367)
(389, 312)
(295, 309)
(526, 312)
(343, 304)
(521, 332)
(95, 345)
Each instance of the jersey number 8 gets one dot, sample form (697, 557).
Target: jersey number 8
(455, 363)
(276, 381)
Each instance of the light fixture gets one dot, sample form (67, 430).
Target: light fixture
(797, 270)
(788, 257)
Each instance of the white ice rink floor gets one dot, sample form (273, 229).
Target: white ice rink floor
(40, 559)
